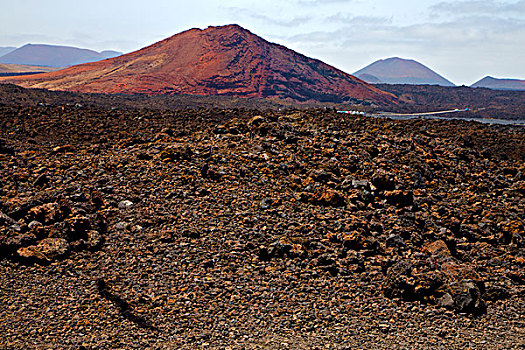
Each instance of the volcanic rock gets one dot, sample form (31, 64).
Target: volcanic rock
(45, 251)
(202, 260)
(438, 248)
(328, 197)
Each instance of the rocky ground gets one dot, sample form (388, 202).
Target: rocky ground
(237, 229)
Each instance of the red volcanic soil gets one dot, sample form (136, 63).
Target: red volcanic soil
(226, 60)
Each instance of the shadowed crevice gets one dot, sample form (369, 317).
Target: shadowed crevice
(125, 309)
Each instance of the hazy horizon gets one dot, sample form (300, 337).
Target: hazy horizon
(463, 41)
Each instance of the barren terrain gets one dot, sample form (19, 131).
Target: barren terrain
(237, 228)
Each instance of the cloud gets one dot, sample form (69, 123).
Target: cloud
(322, 2)
(463, 49)
(18, 39)
(484, 30)
(346, 18)
(272, 20)
(477, 7)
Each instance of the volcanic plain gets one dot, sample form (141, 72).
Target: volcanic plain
(244, 228)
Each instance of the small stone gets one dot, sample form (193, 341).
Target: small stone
(125, 204)
(328, 197)
(467, 297)
(361, 184)
(266, 203)
(78, 226)
(6, 220)
(354, 240)
(438, 248)
(399, 198)
(41, 181)
(94, 239)
(384, 181)
(34, 224)
(37, 228)
(122, 226)
(446, 301)
(256, 121)
(63, 149)
(395, 241)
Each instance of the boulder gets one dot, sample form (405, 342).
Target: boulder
(46, 251)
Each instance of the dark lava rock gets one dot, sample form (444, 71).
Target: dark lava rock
(266, 203)
(41, 180)
(6, 149)
(9, 245)
(464, 296)
(384, 181)
(399, 198)
(395, 241)
(6, 220)
(440, 282)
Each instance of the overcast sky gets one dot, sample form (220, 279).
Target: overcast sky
(461, 40)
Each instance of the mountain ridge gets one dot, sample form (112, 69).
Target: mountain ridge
(6, 49)
(54, 55)
(500, 84)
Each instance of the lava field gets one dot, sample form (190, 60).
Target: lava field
(246, 229)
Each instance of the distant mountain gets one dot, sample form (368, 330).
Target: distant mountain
(23, 69)
(109, 54)
(54, 56)
(226, 60)
(400, 71)
(500, 84)
(6, 50)
(369, 78)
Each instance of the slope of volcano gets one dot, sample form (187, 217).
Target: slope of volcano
(226, 60)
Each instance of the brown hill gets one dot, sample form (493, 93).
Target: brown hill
(226, 60)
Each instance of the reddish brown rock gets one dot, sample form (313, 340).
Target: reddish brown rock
(47, 213)
(45, 251)
(438, 248)
(328, 197)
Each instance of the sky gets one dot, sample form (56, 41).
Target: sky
(461, 40)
